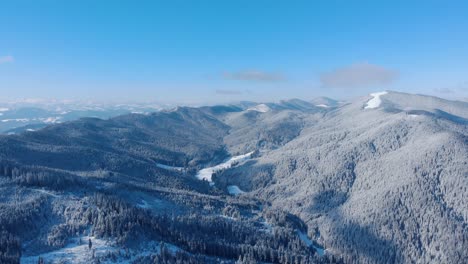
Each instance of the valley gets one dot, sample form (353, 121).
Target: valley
(289, 182)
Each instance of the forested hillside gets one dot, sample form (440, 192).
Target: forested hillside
(369, 181)
(378, 185)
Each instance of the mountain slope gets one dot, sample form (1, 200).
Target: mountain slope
(342, 184)
(128, 184)
(128, 145)
(378, 185)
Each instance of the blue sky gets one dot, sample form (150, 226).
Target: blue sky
(216, 51)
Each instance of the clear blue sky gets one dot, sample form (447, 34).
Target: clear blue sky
(207, 51)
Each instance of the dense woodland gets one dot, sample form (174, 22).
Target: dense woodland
(392, 189)
(232, 234)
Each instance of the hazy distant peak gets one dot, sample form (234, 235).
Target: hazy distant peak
(297, 104)
(294, 101)
(323, 105)
(324, 102)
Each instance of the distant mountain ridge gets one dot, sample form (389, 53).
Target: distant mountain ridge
(19, 117)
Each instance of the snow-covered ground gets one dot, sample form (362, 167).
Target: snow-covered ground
(46, 192)
(74, 252)
(47, 120)
(51, 120)
(207, 173)
(309, 243)
(322, 105)
(167, 167)
(80, 253)
(267, 227)
(375, 101)
(262, 108)
(144, 204)
(16, 120)
(234, 190)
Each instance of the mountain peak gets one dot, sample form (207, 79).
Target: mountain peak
(262, 108)
(398, 101)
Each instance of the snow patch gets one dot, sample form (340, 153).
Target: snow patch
(80, 253)
(74, 252)
(144, 204)
(207, 173)
(262, 108)
(322, 105)
(234, 190)
(16, 120)
(167, 167)
(51, 120)
(309, 243)
(267, 227)
(375, 101)
(48, 120)
(46, 192)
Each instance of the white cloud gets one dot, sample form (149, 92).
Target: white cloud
(6, 59)
(253, 75)
(358, 75)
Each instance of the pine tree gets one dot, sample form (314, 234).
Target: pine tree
(90, 244)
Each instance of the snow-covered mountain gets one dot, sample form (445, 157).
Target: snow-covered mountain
(16, 117)
(380, 179)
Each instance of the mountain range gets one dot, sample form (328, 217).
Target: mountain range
(379, 179)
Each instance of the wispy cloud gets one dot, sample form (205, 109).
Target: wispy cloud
(358, 75)
(6, 59)
(254, 75)
(228, 92)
